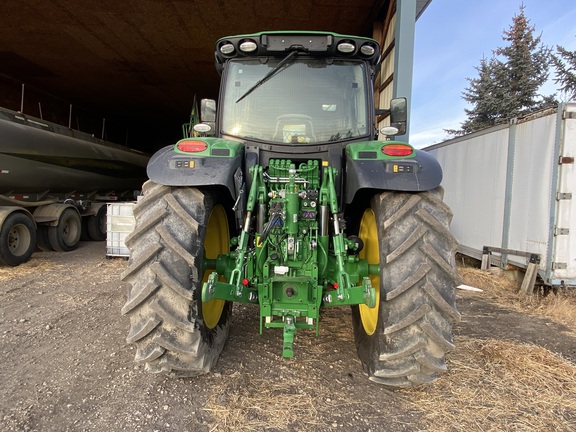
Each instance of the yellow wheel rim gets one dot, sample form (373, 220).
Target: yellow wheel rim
(371, 252)
(217, 242)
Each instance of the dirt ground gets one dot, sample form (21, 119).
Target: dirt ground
(66, 365)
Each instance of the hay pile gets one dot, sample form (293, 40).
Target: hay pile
(494, 285)
(289, 394)
(244, 403)
(494, 385)
(33, 267)
(559, 306)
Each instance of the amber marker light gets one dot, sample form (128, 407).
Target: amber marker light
(397, 150)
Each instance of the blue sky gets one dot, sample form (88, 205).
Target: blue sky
(452, 36)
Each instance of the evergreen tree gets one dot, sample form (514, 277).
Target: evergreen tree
(527, 64)
(565, 63)
(507, 85)
(483, 94)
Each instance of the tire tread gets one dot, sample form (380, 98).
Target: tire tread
(166, 249)
(417, 301)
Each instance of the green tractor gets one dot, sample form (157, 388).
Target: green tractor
(284, 198)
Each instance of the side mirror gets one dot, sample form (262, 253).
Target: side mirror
(208, 110)
(399, 114)
(208, 114)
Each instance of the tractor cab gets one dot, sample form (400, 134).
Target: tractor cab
(287, 89)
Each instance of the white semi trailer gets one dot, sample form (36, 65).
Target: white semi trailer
(512, 190)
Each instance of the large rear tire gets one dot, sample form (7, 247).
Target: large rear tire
(174, 332)
(403, 341)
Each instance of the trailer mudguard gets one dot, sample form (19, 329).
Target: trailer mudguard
(197, 162)
(50, 214)
(6, 211)
(367, 167)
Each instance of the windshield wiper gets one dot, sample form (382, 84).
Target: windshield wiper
(269, 74)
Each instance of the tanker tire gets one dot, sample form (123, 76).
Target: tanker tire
(42, 240)
(85, 236)
(17, 239)
(96, 225)
(418, 277)
(164, 273)
(65, 236)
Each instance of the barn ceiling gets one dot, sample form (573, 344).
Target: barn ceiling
(141, 63)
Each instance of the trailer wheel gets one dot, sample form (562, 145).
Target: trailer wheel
(402, 342)
(84, 236)
(174, 332)
(42, 239)
(65, 236)
(96, 225)
(17, 239)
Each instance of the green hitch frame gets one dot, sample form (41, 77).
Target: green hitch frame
(291, 289)
(328, 197)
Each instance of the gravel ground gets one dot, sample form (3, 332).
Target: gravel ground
(67, 367)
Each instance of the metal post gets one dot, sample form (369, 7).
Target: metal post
(508, 191)
(485, 258)
(404, 55)
(530, 276)
(22, 100)
(559, 136)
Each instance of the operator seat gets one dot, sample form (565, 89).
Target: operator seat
(294, 128)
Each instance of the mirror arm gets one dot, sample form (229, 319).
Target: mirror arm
(382, 111)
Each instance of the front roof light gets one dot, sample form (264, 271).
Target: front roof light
(248, 46)
(227, 48)
(367, 50)
(346, 47)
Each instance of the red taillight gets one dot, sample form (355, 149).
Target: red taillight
(397, 150)
(191, 146)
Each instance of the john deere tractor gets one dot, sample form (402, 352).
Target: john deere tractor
(283, 197)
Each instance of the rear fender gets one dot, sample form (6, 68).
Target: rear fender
(215, 165)
(367, 167)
